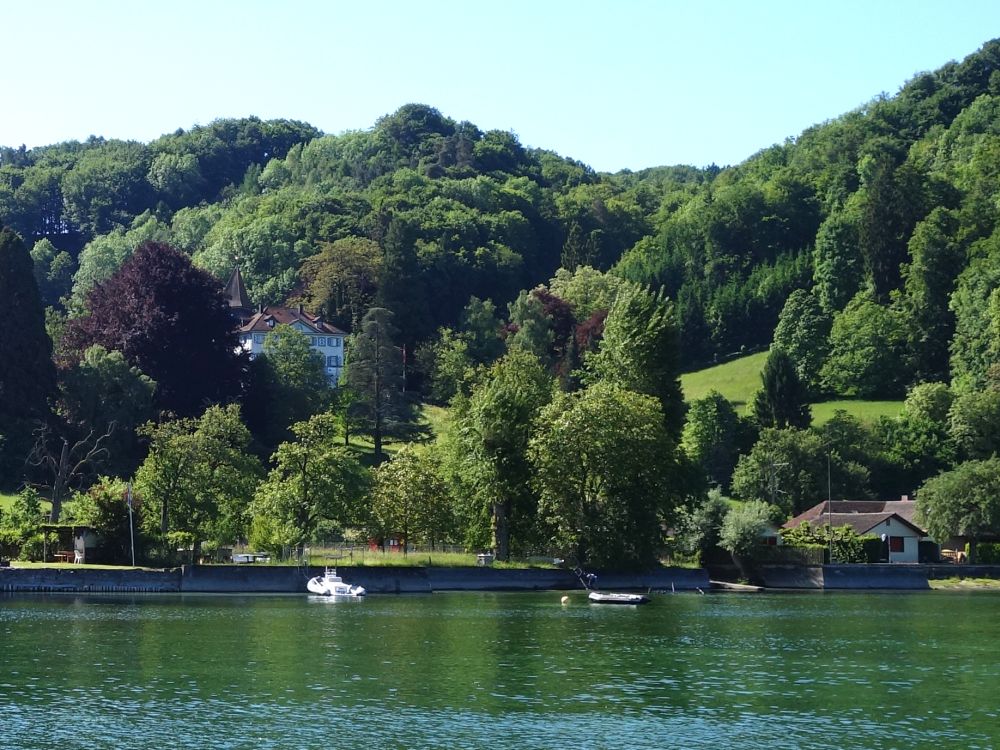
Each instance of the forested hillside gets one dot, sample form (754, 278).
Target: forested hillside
(895, 200)
(865, 252)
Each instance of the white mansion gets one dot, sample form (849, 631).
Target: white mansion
(326, 340)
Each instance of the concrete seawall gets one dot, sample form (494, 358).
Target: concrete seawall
(224, 579)
(267, 579)
(847, 577)
(89, 579)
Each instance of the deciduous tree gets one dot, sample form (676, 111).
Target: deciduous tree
(491, 452)
(606, 470)
(409, 497)
(639, 351)
(962, 502)
(200, 475)
(714, 436)
(170, 320)
(314, 479)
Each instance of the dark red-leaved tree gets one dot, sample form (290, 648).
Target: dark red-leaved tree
(170, 320)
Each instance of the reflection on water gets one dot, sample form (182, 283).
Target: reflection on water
(504, 670)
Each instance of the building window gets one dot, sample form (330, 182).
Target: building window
(334, 343)
(896, 543)
(321, 341)
(258, 338)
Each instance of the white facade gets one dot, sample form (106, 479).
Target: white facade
(326, 345)
(903, 541)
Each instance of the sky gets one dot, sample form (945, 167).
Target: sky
(619, 84)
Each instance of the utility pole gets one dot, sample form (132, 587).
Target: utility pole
(829, 507)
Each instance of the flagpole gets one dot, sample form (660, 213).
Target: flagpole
(131, 532)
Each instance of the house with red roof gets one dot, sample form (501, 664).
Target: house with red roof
(890, 520)
(326, 340)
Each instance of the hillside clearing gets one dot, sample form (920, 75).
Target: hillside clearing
(739, 379)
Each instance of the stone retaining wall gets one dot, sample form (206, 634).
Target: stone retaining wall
(89, 579)
(221, 579)
(897, 577)
(218, 579)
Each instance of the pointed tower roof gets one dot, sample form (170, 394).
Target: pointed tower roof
(236, 295)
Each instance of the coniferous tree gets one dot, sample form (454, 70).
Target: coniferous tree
(783, 400)
(375, 377)
(27, 375)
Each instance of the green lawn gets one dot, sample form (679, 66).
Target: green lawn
(5, 501)
(739, 379)
(865, 411)
(433, 416)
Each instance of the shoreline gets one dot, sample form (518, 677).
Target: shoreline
(249, 579)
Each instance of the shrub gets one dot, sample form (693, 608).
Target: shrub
(987, 553)
(32, 547)
(848, 545)
(744, 526)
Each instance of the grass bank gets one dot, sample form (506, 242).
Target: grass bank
(965, 584)
(431, 559)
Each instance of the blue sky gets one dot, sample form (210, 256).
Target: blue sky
(615, 84)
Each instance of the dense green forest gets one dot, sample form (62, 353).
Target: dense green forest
(865, 252)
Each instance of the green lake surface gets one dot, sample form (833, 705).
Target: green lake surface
(500, 670)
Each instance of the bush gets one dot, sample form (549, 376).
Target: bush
(848, 545)
(928, 551)
(32, 547)
(987, 553)
(10, 543)
(743, 527)
(807, 554)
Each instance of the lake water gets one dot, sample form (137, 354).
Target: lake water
(504, 670)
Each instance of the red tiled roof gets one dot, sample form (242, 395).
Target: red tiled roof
(902, 508)
(857, 513)
(266, 319)
(860, 522)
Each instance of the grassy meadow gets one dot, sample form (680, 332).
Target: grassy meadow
(739, 379)
(5, 502)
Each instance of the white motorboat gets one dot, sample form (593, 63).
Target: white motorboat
(608, 597)
(330, 584)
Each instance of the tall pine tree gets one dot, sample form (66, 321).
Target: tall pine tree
(27, 374)
(783, 401)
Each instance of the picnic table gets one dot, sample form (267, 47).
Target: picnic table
(250, 557)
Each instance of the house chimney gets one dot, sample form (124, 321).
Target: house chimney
(300, 309)
(905, 498)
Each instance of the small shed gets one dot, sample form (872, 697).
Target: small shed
(72, 543)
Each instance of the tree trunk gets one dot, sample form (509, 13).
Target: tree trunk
(501, 531)
(59, 482)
